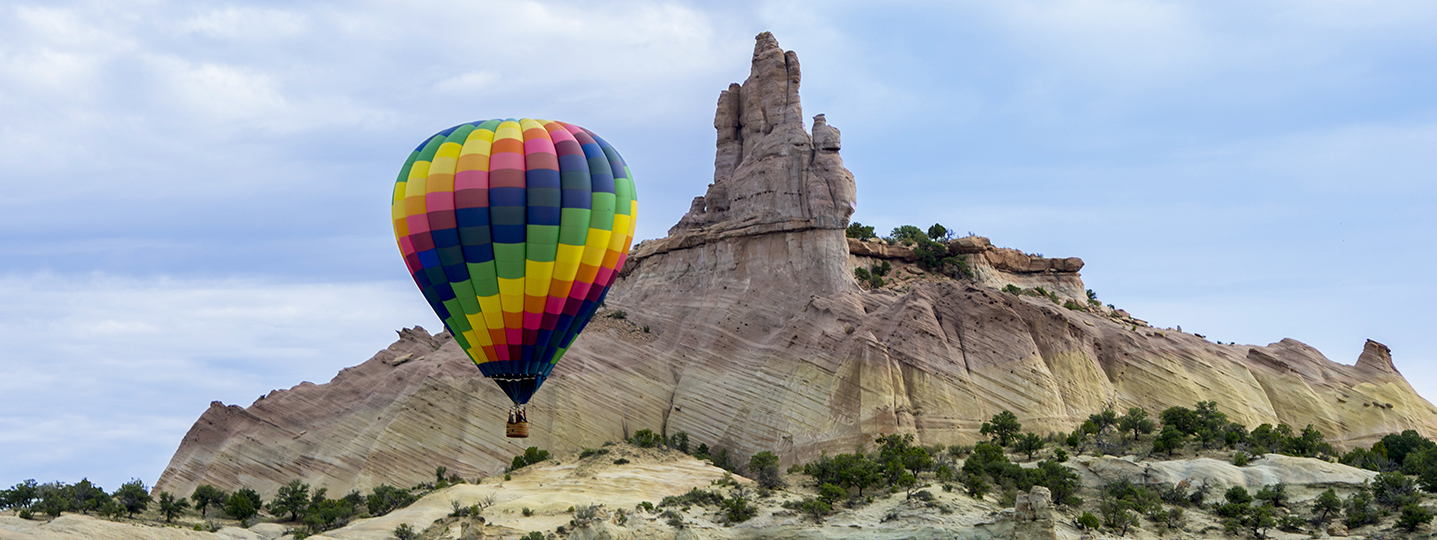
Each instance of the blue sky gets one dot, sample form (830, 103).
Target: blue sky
(197, 210)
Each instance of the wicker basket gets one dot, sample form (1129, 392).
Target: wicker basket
(517, 430)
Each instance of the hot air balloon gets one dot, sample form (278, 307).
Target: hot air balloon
(514, 230)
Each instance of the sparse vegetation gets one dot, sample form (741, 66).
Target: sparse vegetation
(386, 499)
(859, 231)
(243, 504)
(170, 507)
(207, 495)
(888, 468)
(133, 497)
(764, 465)
(405, 532)
(531, 456)
(1413, 516)
(646, 438)
(1003, 428)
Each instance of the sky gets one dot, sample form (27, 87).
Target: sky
(197, 210)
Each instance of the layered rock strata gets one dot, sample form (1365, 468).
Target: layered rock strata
(746, 329)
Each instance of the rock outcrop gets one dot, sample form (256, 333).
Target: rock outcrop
(992, 266)
(746, 329)
(769, 173)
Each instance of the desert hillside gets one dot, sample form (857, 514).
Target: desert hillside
(750, 328)
(623, 491)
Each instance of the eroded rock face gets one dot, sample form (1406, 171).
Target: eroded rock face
(768, 171)
(745, 328)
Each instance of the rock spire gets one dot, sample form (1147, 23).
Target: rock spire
(768, 170)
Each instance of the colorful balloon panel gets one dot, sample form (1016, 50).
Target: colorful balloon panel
(514, 230)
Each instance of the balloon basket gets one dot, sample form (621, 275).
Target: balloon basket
(518, 425)
(516, 430)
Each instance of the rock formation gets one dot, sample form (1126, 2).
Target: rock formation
(746, 329)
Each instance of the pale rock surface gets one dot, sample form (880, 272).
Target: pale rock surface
(83, 527)
(759, 338)
(1033, 515)
(1220, 475)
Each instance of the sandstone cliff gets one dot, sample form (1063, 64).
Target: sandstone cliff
(746, 328)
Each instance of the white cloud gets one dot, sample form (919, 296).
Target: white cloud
(242, 23)
(221, 93)
(99, 364)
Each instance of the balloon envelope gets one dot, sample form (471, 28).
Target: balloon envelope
(514, 230)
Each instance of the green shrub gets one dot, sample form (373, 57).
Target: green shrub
(1393, 490)
(765, 466)
(862, 274)
(1028, 444)
(907, 233)
(531, 455)
(943, 473)
(170, 507)
(1291, 523)
(243, 504)
(1358, 510)
(1413, 516)
(646, 438)
(589, 452)
(1170, 440)
(1089, 521)
(1325, 506)
(619, 314)
(1117, 515)
(291, 499)
(679, 441)
(1275, 494)
(815, 508)
(585, 515)
(387, 498)
(133, 497)
(405, 532)
(738, 510)
(207, 495)
(975, 485)
(325, 514)
(621, 461)
(528, 512)
(673, 519)
(1003, 428)
(853, 471)
(695, 497)
(858, 231)
(1240, 458)
(1015, 291)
